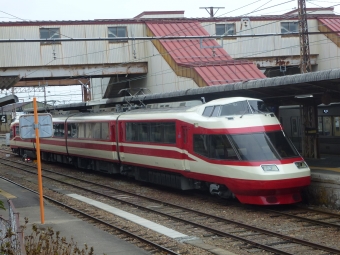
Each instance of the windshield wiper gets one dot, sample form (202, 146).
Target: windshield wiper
(257, 110)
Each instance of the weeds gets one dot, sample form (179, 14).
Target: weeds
(42, 242)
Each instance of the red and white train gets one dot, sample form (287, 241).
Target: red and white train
(230, 146)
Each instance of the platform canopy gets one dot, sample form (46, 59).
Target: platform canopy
(8, 100)
(310, 88)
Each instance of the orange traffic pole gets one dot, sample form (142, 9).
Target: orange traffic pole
(37, 145)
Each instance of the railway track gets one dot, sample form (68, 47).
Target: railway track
(251, 238)
(144, 243)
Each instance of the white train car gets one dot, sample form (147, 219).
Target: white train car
(230, 146)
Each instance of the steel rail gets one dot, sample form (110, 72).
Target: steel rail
(321, 223)
(95, 219)
(256, 229)
(317, 210)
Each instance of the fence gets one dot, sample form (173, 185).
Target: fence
(16, 240)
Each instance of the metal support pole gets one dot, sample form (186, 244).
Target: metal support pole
(305, 65)
(37, 145)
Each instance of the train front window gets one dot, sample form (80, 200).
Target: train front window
(263, 146)
(282, 144)
(258, 106)
(236, 108)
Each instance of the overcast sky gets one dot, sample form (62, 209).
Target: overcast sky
(110, 9)
(16, 10)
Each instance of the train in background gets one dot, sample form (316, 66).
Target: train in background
(328, 126)
(232, 147)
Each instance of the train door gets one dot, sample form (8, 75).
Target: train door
(114, 140)
(185, 147)
(119, 135)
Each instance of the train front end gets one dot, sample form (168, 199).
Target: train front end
(251, 155)
(270, 171)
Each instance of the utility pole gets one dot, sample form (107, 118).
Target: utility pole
(210, 10)
(309, 112)
(305, 65)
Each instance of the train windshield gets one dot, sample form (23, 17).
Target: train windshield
(258, 106)
(263, 146)
(236, 108)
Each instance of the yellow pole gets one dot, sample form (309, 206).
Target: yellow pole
(37, 145)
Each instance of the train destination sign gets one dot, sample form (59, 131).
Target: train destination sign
(27, 126)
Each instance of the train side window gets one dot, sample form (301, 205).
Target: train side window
(156, 132)
(151, 132)
(81, 130)
(17, 131)
(220, 148)
(104, 131)
(201, 145)
(131, 131)
(88, 130)
(72, 130)
(169, 132)
(58, 129)
(11, 135)
(208, 110)
(96, 128)
(143, 132)
(216, 111)
(336, 125)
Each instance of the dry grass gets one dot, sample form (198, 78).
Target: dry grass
(43, 242)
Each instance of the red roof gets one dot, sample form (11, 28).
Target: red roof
(219, 75)
(331, 23)
(214, 65)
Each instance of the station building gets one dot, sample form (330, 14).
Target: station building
(252, 47)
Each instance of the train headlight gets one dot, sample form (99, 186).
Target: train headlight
(301, 164)
(270, 168)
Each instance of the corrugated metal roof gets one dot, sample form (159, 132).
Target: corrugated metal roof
(331, 23)
(218, 75)
(213, 65)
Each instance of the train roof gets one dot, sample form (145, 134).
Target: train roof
(162, 108)
(229, 100)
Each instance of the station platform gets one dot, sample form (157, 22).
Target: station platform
(325, 181)
(27, 205)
